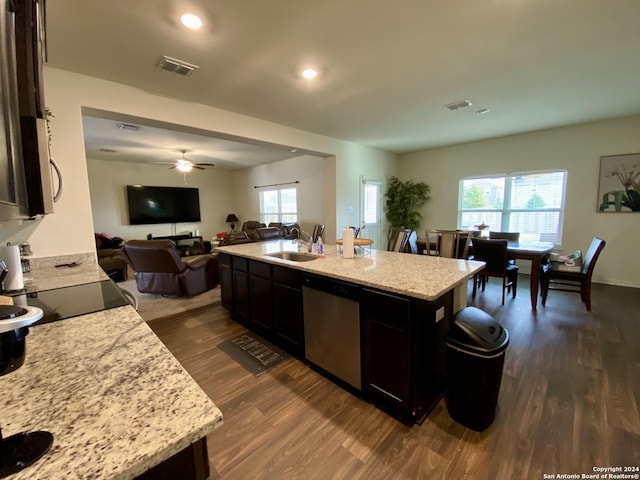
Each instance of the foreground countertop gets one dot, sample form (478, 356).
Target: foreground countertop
(419, 276)
(115, 399)
(44, 275)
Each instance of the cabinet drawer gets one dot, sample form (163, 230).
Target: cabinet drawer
(390, 309)
(288, 276)
(224, 259)
(260, 269)
(240, 263)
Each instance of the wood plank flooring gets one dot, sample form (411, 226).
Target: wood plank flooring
(569, 402)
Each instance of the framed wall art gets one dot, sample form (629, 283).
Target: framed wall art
(619, 188)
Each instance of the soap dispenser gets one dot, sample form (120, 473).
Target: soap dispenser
(319, 246)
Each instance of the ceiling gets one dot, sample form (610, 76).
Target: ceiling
(386, 68)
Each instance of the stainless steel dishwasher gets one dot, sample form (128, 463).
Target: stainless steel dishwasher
(332, 327)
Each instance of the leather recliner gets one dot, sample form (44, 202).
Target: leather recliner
(159, 269)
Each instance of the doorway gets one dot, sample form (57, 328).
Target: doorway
(371, 210)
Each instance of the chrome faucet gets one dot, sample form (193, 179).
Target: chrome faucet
(301, 241)
(308, 244)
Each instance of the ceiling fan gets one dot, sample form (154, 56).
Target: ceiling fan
(184, 165)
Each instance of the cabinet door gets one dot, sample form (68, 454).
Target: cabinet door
(240, 295)
(387, 357)
(261, 302)
(287, 318)
(226, 281)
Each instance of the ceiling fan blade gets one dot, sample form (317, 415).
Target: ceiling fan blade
(206, 164)
(172, 167)
(197, 166)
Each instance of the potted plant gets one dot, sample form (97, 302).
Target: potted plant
(403, 203)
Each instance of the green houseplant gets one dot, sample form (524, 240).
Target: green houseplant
(403, 202)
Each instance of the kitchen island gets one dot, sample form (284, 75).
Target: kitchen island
(116, 400)
(375, 323)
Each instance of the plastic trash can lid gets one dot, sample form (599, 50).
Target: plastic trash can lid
(475, 330)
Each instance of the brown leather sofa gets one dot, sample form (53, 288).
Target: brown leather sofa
(254, 231)
(159, 269)
(110, 257)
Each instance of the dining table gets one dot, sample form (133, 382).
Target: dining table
(535, 252)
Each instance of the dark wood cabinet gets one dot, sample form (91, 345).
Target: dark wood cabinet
(241, 305)
(404, 352)
(226, 280)
(287, 309)
(402, 338)
(387, 351)
(261, 295)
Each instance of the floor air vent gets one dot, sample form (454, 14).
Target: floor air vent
(176, 66)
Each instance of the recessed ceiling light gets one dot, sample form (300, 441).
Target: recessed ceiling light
(108, 150)
(309, 73)
(191, 21)
(482, 111)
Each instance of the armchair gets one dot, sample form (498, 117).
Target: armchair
(159, 269)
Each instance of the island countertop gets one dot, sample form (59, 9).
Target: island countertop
(115, 399)
(419, 276)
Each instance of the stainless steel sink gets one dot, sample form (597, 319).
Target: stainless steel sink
(293, 256)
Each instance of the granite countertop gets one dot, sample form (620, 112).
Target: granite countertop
(419, 276)
(44, 275)
(115, 399)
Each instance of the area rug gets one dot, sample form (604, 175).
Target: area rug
(253, 353)
(152, 307)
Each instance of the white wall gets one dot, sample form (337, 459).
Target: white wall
(308, 170)
(578, 150)
(108, 180)
(70, 229)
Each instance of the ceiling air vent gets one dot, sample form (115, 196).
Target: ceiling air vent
(176, 66)
(128, 126)
(459, 104)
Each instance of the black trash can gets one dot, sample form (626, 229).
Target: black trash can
(476, 345)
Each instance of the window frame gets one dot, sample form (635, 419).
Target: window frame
(279, 214)
(506, 211)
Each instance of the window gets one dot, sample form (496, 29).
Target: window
(278, 205)
(531, 203)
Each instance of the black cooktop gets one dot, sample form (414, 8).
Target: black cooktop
(67, 302)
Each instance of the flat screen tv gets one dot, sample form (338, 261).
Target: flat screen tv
(149, 205)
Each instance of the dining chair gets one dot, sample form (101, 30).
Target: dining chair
(509, 236)
(453, 243)
(398, 239)
(576, 282)
(318, 231)
(494, 254)
(431, 240)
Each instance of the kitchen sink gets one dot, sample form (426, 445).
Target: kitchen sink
(293, 256)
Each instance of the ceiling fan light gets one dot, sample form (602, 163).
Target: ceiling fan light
(184, 165)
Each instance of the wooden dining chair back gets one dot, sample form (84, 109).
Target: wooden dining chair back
(318, 231)
(398, 239)
(576, 282)
(494, 254)
(453, 243)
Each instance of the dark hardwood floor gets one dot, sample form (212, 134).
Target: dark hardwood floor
(569, 401)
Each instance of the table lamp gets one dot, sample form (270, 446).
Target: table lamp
(232, 219)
